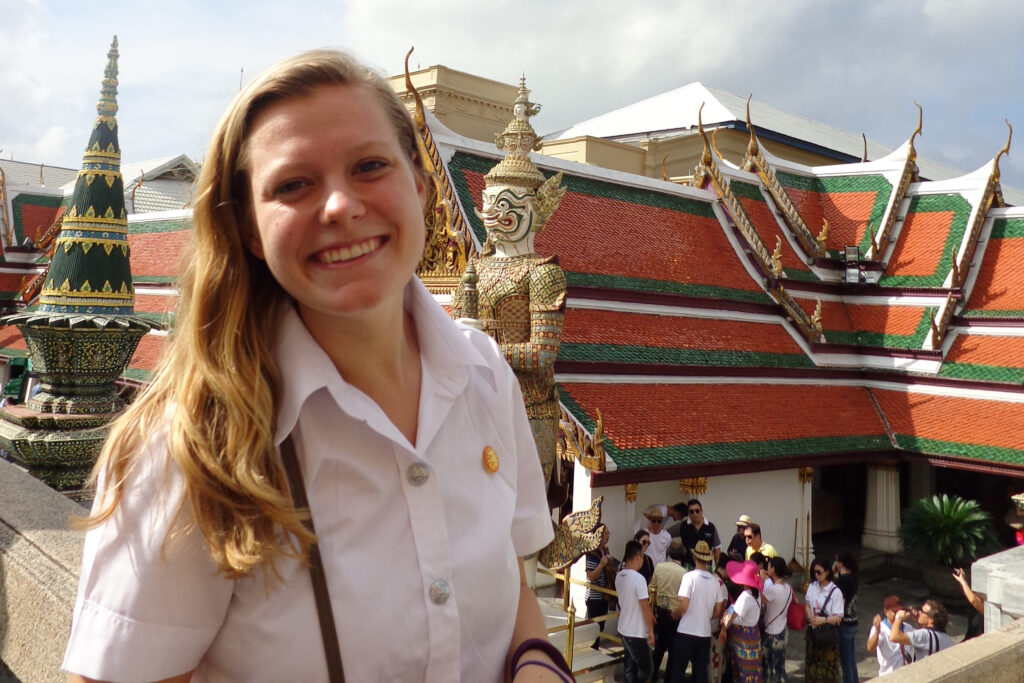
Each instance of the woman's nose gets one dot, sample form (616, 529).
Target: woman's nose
(341, 203)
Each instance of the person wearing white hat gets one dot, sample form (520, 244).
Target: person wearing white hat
(702, 597)
(660, 539)
(737, 549)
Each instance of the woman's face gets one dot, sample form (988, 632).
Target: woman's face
(336, 201)
(821, 574)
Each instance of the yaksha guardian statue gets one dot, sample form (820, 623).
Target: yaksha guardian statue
(512, 293)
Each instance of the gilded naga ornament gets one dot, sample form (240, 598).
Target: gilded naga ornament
(510, 291)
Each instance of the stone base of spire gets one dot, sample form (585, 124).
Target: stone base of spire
(60, 450)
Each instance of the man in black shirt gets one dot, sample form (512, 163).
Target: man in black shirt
(696, 528)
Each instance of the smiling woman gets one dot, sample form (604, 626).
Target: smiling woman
(309, 364)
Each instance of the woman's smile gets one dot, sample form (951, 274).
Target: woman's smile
(350, 253)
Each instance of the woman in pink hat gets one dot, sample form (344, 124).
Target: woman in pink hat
(741, 620)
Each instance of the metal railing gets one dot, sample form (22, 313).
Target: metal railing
(570, 610)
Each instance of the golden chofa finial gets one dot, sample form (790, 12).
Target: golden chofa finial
(418, 116)
(1005, 150)
(752, 144)
(920, 121)
(864, 156)
(664, 169)
(705, 156)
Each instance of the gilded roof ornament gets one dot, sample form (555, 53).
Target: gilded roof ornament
(822, 237)
(777, 258)
(448, 240)
(816, 318)
(920, 127)
(756, 162)
(1005, 150)
(752, 146)
(705, 155)
(419, 118)
(864, 154)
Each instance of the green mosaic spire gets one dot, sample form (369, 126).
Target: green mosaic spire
(90, 273)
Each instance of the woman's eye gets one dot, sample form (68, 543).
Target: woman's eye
(289, 187)
(370, 165)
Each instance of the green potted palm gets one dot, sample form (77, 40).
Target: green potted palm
(946, 532)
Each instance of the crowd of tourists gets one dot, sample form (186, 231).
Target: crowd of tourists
(726, 614)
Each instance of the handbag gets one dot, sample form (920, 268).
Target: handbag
(825, 634)
(796, 617)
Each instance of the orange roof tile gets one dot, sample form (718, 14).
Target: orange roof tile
(987, 350)
(585, 326)
(847, 214)
(898, 320)
(953, 419)
(591, 234)
(148, 352)
(921, 243)
(1000, 284)
(653, 416)
(768, 229)
(10, 338)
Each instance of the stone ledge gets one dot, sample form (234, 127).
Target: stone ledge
(996, 657)
(40, 559)
(1000, 579)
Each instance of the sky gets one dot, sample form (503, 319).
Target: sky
(858, 65)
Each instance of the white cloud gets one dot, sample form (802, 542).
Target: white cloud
(858, 66)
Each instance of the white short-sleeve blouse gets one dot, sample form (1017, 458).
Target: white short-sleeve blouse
(419, 541)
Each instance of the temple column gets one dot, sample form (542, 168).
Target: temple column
(882, 511)
(922, 481)
(804, 551)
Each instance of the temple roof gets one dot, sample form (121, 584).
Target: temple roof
(717, 328)
(675, 113)
(24, 173)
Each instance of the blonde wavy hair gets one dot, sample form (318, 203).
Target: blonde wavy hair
(216, 387)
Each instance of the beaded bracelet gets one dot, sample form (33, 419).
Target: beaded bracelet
(547, 648)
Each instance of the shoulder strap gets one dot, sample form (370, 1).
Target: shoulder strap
(328, 632)
(784, 609)
(821, 612)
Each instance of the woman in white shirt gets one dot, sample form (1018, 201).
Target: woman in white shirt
(743, 630)
(302, 330)
(824, 610)
(777, 596)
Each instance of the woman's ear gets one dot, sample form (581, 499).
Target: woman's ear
(256, 245)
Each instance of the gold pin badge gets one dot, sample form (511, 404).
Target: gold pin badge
(490, 459)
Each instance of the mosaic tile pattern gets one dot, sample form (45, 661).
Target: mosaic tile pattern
(675, 244)
(933, 230)
(999, 290)
(618, 337)
(853, 205)
(712, 423)
(768, 229)
(948, 425)
(985, 358)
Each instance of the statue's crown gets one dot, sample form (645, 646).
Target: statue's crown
(518, 140)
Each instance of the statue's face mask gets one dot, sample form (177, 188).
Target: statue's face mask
(509, 213)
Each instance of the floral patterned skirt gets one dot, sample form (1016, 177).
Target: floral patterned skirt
(822, 662)
(745, 650)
